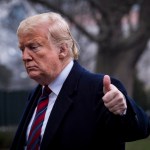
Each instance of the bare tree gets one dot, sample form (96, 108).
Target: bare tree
(121, 37)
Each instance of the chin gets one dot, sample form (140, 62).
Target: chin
(34, 76)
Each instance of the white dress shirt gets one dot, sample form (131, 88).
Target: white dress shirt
(55, 86)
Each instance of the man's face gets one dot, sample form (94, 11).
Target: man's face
(40, 56)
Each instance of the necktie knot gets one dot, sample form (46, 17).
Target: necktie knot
(46, 91)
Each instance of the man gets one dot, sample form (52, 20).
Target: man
(85, 111)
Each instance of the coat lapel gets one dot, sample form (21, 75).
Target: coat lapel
(20, 137)
(63, 102)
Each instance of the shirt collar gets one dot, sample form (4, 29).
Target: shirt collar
(56, 85)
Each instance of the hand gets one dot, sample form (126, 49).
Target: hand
(113, 99)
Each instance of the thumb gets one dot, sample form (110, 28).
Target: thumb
(106, 83)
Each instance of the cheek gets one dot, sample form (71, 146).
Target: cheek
(51, 64)
(48, 61)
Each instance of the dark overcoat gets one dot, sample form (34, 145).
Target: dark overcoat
(80, 121)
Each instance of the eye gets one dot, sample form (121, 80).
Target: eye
(21, 48)
(34, 46)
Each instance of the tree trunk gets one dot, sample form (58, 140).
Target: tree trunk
(117, 65)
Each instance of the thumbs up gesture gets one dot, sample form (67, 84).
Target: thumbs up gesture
(113, 99)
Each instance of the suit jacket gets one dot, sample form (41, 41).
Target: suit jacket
(79, 119)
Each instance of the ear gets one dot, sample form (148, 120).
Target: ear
(63, 50)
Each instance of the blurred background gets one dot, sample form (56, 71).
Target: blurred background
(113, 37)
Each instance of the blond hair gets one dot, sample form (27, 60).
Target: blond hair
(58, 30)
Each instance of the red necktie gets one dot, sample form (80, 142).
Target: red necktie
(34, 138)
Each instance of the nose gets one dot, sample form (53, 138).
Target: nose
(26, 56)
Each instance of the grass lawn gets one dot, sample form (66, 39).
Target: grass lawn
(139, 145)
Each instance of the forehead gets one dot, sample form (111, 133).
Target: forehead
(32, 35)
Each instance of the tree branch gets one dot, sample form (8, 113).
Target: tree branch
(69, 17)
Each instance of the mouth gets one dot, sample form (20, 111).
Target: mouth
(29, 68)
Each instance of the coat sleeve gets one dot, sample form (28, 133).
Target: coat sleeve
(135, 124)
